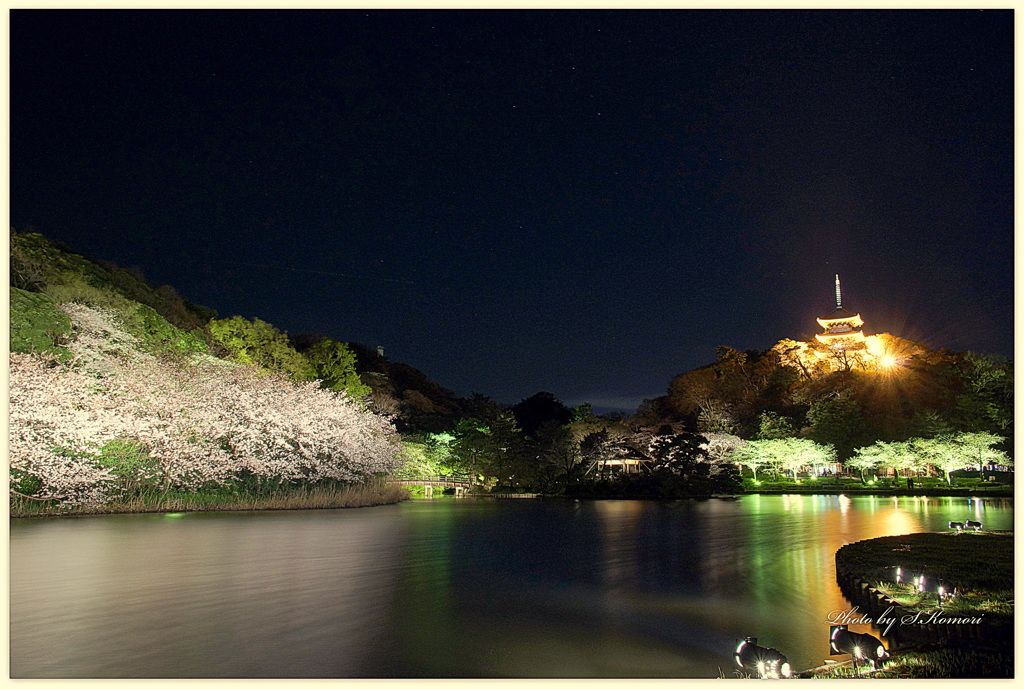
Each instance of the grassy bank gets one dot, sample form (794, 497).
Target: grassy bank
(931, 487)
(939, 663)
(295, 498)
(977, 563)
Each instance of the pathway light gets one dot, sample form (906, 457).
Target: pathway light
(768, 663)
(860, 646)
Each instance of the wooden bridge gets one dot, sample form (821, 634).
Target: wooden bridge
(461, 484)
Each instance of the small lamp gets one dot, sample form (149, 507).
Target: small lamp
(860, 646)
(768, 663)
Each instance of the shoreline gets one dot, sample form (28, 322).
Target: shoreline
(267, 504)
(901, 493)
(926, 638)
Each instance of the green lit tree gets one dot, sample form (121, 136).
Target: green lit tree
(942, 454)
(334, 364)
(904, 456)
(792, 454)
(752, 457)
(260, 344)
(866, 459)
(783, 454)
(959, 451)
(979, 448)
(431, 454)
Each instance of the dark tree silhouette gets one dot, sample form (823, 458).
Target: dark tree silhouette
(534, 411)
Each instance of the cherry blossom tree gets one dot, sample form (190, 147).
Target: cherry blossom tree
(720, 448)
(191, 422)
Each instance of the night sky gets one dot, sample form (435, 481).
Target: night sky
(585, 203)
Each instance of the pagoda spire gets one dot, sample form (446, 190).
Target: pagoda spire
(842, 328)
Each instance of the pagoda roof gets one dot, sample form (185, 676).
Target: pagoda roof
(840, 314)
(857, 334)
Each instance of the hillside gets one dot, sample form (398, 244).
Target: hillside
(112, 403)
(802, 389)
(45, 274)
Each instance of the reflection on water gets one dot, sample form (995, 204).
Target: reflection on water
(446, 588)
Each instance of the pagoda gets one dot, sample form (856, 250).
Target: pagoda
(842, 328)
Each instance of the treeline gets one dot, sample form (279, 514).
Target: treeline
(923, 413)
(769, 394)
(541, 445)
(778, 412)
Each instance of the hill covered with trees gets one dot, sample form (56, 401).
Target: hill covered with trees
(123, 392)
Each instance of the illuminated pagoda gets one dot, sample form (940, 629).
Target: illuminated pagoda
(842, 328)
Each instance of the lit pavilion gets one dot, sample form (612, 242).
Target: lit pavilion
(842, 328)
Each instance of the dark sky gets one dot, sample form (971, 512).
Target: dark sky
(585, 203)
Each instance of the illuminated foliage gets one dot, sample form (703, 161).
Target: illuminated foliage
(430, 454)
(118, 417)
(979, 449)
(783, 455)
(864, 459)
(899, 456)
(334, 364)
(946, 453)
(721, 446)
(959, 451)
(41, 265)
(260, 344)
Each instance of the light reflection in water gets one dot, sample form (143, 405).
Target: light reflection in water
(619, 521)
(466, 588)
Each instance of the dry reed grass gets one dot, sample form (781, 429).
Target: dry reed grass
(311, 498)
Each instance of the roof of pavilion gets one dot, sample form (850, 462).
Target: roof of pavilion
(840, 314)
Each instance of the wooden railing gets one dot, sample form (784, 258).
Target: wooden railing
(444, 481)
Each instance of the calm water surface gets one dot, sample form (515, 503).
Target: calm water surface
(445, 588)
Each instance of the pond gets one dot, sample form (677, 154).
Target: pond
(446, 588)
